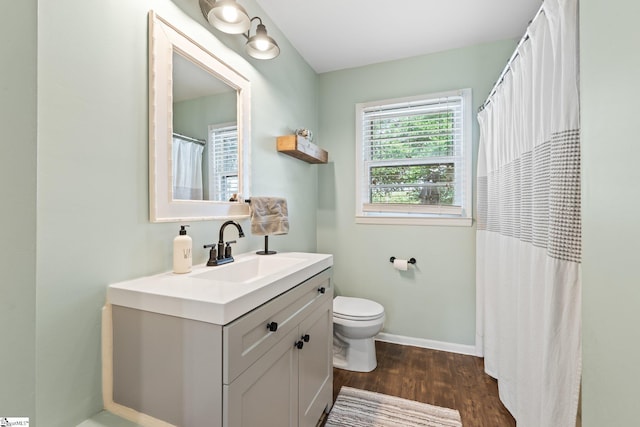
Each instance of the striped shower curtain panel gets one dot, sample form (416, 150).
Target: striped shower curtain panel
(529, 227)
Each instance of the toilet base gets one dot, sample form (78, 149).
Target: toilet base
(358, 355)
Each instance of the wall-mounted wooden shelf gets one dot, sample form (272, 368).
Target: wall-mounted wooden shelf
(301, 148)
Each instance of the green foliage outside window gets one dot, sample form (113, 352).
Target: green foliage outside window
(418, 143)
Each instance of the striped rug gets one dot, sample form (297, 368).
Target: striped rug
(361, 408)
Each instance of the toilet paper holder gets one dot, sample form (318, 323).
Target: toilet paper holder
(410, 261)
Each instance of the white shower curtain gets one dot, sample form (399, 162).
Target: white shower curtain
(529, 228)
(187, 169)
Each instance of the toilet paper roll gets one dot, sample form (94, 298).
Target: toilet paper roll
(400, 264)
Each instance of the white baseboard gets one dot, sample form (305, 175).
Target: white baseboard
(430, 344)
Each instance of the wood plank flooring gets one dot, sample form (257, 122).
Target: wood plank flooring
(436, 377)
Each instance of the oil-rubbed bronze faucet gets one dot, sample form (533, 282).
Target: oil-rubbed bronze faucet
(224, 252)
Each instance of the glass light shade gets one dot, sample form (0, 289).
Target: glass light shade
(261, 46)
(229, 17)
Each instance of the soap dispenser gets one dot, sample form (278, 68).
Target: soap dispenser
(182, 245)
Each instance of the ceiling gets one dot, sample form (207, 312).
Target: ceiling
(337, 34)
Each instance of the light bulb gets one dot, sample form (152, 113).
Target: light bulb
(262, 44)
(230, 14)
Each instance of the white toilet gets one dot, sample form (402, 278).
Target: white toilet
(355, 322)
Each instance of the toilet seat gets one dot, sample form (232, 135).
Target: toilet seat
(351, 308)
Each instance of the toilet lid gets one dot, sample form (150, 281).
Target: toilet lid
(356, 308)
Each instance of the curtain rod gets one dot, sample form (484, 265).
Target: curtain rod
(514, 55)
(189, 139)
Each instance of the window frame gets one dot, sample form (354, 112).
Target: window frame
(417, 214)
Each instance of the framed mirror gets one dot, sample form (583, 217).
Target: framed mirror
(199, 130)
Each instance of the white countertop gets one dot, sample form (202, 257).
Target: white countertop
(215, 301)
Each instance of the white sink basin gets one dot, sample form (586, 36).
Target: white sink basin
(249, 268)
(222, 293)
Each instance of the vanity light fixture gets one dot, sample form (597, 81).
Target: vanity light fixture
(226, 15)
(231, 18)
(260, 45)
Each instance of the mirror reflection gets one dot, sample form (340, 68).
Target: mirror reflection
(205, 134)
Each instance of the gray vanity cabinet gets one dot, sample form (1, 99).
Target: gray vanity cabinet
(269, 367)
(291, 383)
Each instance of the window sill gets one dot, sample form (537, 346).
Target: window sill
(405, 220)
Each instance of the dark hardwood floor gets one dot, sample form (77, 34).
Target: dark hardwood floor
(436, 377)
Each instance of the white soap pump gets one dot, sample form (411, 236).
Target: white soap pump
(182, 245)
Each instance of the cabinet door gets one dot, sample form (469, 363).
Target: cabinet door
(266, 394)
(315, 378)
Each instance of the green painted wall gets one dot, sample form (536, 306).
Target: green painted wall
(193, 117)
(610, 89)
(18, 24)
(92, 192)
(436, 300)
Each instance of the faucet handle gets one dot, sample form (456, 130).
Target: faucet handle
(227, 249)
(212, 254)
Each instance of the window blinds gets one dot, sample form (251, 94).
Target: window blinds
(224, 162)
(413, 156)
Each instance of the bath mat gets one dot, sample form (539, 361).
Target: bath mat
(361, 408)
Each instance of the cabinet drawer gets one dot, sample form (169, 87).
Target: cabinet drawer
(248, 338)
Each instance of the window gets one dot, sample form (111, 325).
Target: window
(223, 161)
(413, 160)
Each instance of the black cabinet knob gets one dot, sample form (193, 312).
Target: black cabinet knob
(299, 344)
(273, 326)
(321, 290)
(305, 337)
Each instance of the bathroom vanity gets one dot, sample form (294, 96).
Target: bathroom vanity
(244, 344)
